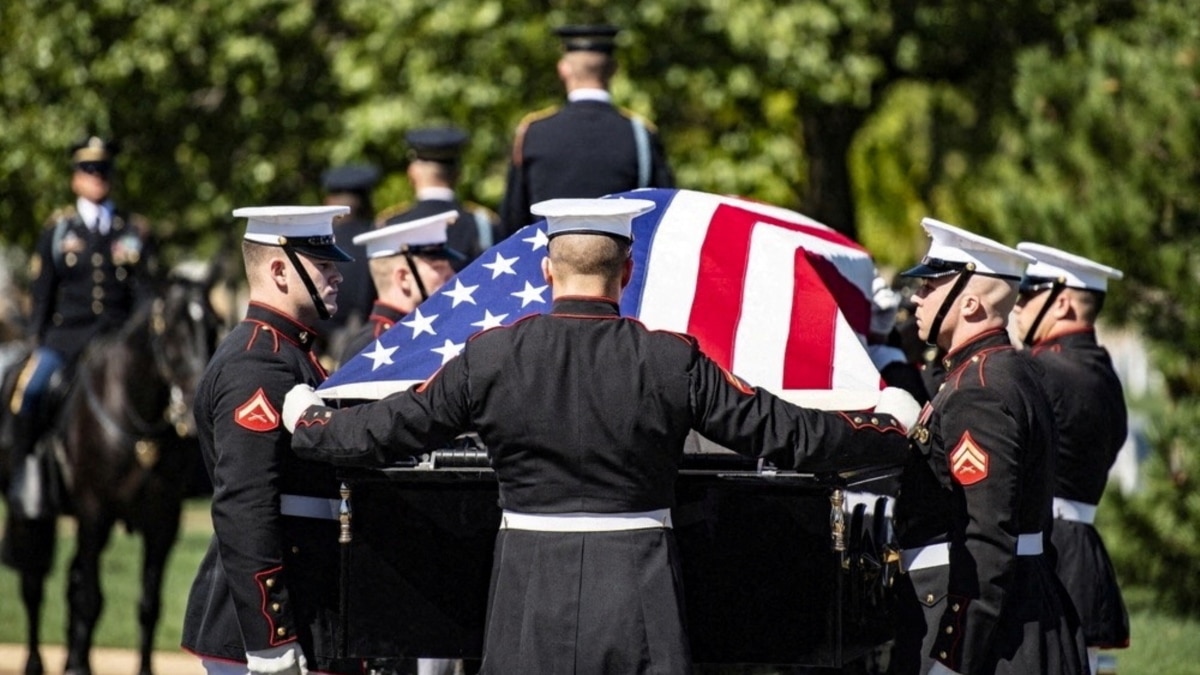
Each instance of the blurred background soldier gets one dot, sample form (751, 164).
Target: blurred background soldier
(588, 148)
(433, 171)
(976, 594)
(1061, 295)
(409, 261)
(93, 264)
(883, 342)
(349, 185)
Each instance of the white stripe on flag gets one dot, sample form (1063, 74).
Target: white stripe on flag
(760, 344)
(852, 366)
(674, 262)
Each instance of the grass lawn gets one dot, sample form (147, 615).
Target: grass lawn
(1162, 644)
(121, 584)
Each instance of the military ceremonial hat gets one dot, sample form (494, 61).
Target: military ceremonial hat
(954, 249)
(306, 229)
(94, 149)
(1071, 270)
(588, 38)
(424, 236)
(438, 144)
(595, 216)
(350, 178)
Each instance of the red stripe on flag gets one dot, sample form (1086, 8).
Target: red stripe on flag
(808, 360)
(720, 281)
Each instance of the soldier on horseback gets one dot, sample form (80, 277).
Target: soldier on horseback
(88, 272)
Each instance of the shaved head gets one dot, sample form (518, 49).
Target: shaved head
(998, 295)
(599, 255)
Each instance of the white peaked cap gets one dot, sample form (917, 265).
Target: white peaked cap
(1076, 271)
(599, 216)
(308, 229)
(413, 235)
(952, 249)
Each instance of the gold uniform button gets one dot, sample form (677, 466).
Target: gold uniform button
(71, 259)
(949, 630)
(875, 421)
(97, 260)
(57, 319)
(97, 307)
(270, 582)
(281, 631)
(974, 359)
(857, 420)
(121, 273)
(942, 654)
(929, 598)
(98, 276)
(295, 549)
(275, 607)
(97, 292)
(955, 607)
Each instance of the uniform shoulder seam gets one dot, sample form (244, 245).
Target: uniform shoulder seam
(518, 148)
(627, 113)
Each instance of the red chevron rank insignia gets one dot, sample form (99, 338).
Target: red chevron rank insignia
(257, 414)
(968, 461)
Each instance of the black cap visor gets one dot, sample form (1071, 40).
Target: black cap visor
(319, 248)
(932, 268)
(435, 251)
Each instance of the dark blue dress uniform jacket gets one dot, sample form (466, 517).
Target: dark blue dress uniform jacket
(584, 411)
(267, 579)
(1089, 408)
(584, 149)
(981, 475)
(86, 284)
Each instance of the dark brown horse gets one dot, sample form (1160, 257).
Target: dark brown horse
(123, 442)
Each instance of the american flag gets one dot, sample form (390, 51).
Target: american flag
(772, 295)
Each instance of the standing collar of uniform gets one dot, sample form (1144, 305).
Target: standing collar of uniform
(1085, 335)
(283, 325)
(436, 193)
(88, 210)
(586, 305)
(385, 312)
(992, 339)
(596, 95)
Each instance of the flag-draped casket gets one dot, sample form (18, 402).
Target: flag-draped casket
(777, 569)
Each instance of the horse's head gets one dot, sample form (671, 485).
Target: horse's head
(183, 328)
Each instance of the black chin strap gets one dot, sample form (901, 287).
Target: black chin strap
(308, 283)
(1055, 290)
(959, 284)
(412, 265)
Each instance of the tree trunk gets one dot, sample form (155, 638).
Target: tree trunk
(828, 132)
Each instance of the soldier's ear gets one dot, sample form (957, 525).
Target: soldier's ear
(547, 270)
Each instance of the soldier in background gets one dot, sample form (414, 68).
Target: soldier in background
(977, 594)
(1061, 296)
(94, 263)
(433, 170)
(883, 342)
(587, 148)
(409, 261)
(349, 185)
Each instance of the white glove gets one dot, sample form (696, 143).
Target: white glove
(282, 660)
(940, 669)
(900, 404)
(300, 398)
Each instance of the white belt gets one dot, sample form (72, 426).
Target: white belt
(1080, 512)
(936, 555)
(309, 507)
(585, 522)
